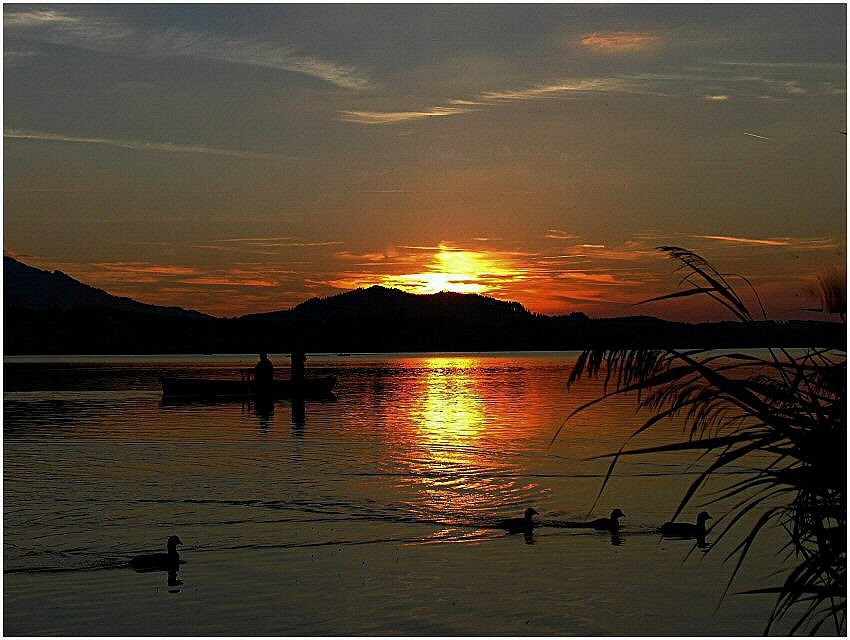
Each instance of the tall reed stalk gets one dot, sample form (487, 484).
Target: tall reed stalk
(788, 407)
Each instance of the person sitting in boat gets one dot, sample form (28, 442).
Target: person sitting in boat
(298, 360)
(264, 374)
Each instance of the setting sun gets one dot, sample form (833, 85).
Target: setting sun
(456, 270)
(435, 282)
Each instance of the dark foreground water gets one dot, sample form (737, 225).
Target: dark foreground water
(369, 515)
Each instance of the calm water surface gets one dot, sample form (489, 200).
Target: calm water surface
(373, 514)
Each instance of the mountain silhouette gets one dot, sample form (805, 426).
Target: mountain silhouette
(30, 288)
(383, 319)
(379, 302)
(51, 313)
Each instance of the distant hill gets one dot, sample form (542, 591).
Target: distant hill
(51, 313)
(381, 302)
(382, 319)
(29, 288)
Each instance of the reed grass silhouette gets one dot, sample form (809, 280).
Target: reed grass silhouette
(788, 407)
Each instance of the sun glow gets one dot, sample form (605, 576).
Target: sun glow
(435, 282)
(454, 270)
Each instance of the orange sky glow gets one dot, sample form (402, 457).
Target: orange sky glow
(574, 275)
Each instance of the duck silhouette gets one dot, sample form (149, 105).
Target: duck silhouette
(159, 561)
(603, 524)
(519, 525)
(686, 529)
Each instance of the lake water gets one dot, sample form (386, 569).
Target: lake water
(372, 514)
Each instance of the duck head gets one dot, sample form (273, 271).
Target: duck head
(703, 516)
(173, 541)
(529, 513)
(616, 513)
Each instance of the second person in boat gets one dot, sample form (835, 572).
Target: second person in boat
(299, 357)
(263, 375)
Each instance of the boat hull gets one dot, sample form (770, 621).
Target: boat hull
(208, 389)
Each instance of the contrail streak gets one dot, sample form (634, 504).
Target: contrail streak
(136, 145)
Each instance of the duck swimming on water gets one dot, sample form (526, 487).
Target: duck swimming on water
(686, 529)
(606, 524)
(517, 525)
(159, 561)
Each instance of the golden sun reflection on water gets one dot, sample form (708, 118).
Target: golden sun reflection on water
(450, 411)
(447, 425)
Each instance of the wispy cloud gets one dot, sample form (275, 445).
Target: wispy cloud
(254, 239)
(392, 117)
(271, 246)
(597, 278)
(146, 268)
(558, 234)
(367, 257)
(219, 281)
(234, 249)
(555, 89)
(620, 42)
(821, 243)
(780, 65)
(273, 241)
(639, 84)
(738, 240)
(717, 82)
(14, 57)
(792, 86)
(756, 135)
(110, 35)
(135, 145)
(35, 17)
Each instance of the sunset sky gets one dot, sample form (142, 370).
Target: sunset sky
(239, 158)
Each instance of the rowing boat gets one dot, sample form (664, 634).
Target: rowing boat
(206, 388)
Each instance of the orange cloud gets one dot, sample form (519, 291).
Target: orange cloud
(597, 278)
(367, 257)
(434, 269)
(620, 42)
(230, 282)
(539, 282)
(142, 267)
(558, 234)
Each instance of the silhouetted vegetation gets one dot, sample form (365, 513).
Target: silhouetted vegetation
(787, 405)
